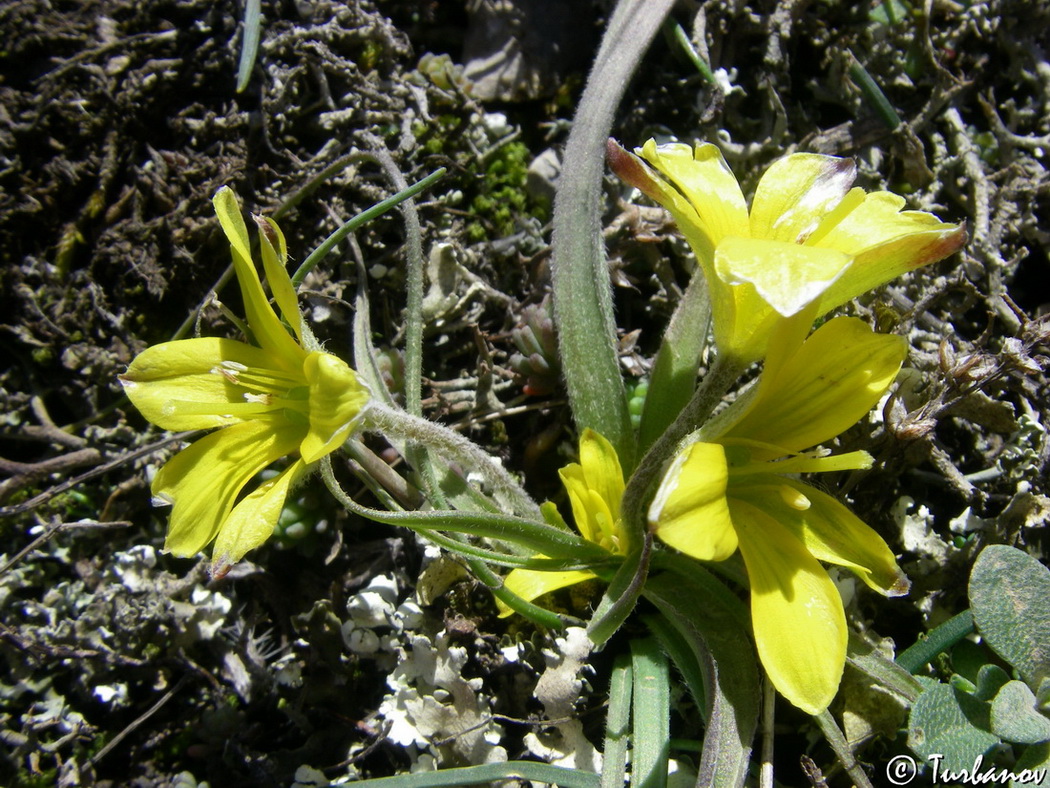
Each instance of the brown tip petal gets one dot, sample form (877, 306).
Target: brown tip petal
(220, 567)
(948, 244)
(267, 230)
(901, 587)
(631, 170)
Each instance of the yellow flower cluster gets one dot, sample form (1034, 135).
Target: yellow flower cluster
(808, 243)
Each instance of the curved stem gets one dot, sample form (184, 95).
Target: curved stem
(437, 437)
(536, 536)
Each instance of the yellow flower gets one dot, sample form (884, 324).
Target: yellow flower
(274, 399)
(735, 488)
(809, 240)
(595, 487)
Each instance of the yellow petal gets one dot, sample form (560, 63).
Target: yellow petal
(716, 205)
(636, 172)
(786, 276)
(575, 484)
(253, 519)
(204, 480)
(689, 511)
(759, 282)
(796, 192)
(885, 242)
(336, 397)
(201, 370)
(828, 384)
(601, 469)
(530, 584)
(800, 626)
(275, 256)
(595, 487)
(263, 321)
(832, 533)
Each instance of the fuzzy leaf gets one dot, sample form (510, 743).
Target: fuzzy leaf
(952, 724)
(579, 271)
(1008, 593)
(1014, 716)
(990, 680)
(711, 620)
(1036, 759)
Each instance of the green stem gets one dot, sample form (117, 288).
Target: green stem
(365, 216)
(494, 582)
(538, 537)
(838, 743)
(942, 638)
(413, 281)
(437, 437)
(385, 483)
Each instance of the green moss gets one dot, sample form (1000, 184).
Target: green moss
(43, 356)
(48, 778)
(493, 186)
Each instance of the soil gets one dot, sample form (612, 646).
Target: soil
(120, 665)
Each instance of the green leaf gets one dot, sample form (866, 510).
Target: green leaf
(969, 657)
(1014, 716)
(1035, 759)
(916, 656)
(621, 596)
(617, 721)
(990, 679)
(651, 739)
(714, 623)
(249, 43)
(1010, 598)
(488, 774)
(889, 12)
(673, 378)
(681, 654)
(887, 673)
(579, 271)
(951, 724)
(1042, 695)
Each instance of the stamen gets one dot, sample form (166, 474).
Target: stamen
(230, 410)
(813, 461)
(794, 498)
(772, 448)
(231, 376)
